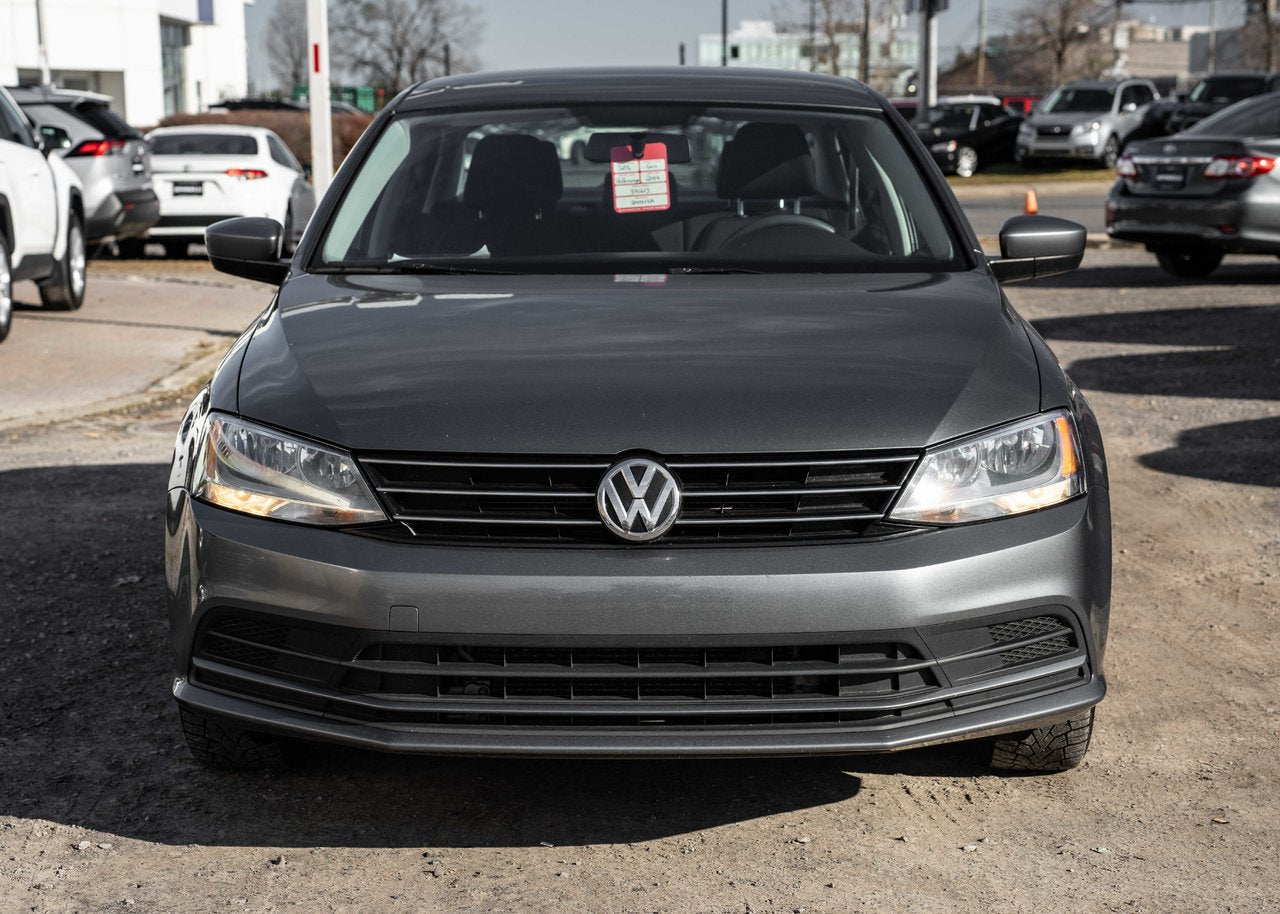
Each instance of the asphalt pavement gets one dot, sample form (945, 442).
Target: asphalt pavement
(988, 213)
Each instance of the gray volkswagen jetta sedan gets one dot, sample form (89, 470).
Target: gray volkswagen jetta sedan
(717, 438)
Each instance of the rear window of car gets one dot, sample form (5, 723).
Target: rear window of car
(203, 144)
(1259, 116)
(104, 120)
(621, 188)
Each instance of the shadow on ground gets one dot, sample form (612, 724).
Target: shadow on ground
(1228, 352)
(89, 735)
(1255, 270)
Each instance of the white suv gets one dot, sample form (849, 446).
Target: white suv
(41, 218)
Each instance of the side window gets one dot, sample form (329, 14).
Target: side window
(280, 154)
(1145, 95)
(992, 112)
(1129, 96)
(13, 126)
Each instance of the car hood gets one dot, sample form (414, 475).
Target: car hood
(674, 365)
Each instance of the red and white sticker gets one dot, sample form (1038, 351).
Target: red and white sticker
(640, 185)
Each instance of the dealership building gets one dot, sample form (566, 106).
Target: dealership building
(153, 57)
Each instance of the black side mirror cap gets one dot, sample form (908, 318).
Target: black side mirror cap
(249, 247)
(1036, 246)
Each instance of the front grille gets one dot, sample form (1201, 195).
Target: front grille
(1062, 132)
(419, 679)
(552, 500)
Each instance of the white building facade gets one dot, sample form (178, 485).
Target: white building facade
(760, 43)
(153, 57)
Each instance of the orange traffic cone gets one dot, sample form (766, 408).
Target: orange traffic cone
(1032, 206)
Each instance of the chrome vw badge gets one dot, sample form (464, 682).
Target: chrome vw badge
(638, 499)
(1169, 149)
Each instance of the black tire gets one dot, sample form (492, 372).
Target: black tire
(6, 290)
(966, 161)
(64, 290)
(218, 743)
(176, 250)
(1059, 747)
(132, 248)
(286, 243)
(1110, 152)
(1189, 263)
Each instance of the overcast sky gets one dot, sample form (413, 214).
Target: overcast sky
(552, 33)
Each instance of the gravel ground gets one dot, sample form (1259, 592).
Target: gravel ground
(1175, 808)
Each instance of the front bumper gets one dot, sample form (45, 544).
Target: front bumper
(1225, 223)
(1088, 146)
(894, 606)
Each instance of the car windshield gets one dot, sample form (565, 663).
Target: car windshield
(1225, 90)
(951, 117)
(1258, 116)
(1069, 99)
(203, 144)
(616, 188)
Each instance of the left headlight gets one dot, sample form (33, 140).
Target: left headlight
(1090, 127)
(948, 146)
(1021, 467)
(257, 470)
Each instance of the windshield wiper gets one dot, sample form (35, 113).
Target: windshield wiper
(414, 266)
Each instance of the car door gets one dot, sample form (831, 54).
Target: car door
(33, 196)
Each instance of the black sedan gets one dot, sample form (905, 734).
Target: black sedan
(966, 133)
(1216, 93)
(1206, 192)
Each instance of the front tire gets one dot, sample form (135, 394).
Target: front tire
(64, 290)
(6, 290)
(218, 743)
(966, 161)
(1110, 152)
(1189, 263)
(1059, 747)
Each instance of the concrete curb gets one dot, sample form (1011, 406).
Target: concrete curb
(1042, 189)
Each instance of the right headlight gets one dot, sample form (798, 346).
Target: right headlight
(1025, 129)
(1024, 466)
(257, 470)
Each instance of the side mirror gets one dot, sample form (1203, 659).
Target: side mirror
(249, 247)
(52, 138)
(1036, 246)
(1129, 107)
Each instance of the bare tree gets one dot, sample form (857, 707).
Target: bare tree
(396, 43)
(1055, 26)
(287, 42)
(832, 22)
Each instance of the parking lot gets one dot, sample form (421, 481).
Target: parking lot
(101, 808)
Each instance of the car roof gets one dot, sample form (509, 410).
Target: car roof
(34, 95)
(241, 129)
(698, 85)
(968, 100)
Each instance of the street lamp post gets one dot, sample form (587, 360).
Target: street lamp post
(318, 96)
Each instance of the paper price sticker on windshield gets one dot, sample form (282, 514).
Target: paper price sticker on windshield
(640, 185)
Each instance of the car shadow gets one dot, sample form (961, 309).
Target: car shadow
(1253, 270)
(89, 734)
(1229, 352)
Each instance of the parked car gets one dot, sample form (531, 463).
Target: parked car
(205, 173)
(906, 106)
(1208, 191)
(1214, 93)
(110, 158)
(41, 218)
(967, 132)
(514, 467)
(1021, 105)
(1088, 119)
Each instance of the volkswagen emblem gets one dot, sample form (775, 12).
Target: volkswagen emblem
(638, 499)
(1169, 149)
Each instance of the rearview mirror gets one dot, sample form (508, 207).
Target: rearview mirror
(52, 138)
(249, 247)
(1036, 246)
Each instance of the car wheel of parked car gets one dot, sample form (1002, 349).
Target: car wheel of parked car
(175, 250)
(1054, 748)
(218, 743)
(1189, 263)
(966, 161)
(64, 290)
(6, 291)
(1111, 152)
(287, 242)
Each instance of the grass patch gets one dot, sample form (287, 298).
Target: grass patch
(1018, 174)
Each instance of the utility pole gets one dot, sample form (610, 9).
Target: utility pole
(448, 62)
(864, 44)
(318, 94)
(43, 49)
(982, 44)
(724, 33)
(1213, 35)
(927, 94)
(813, 36)
(682, 53)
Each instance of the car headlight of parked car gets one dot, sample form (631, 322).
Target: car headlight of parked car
(256, 470)
(1026, 131)
(948, 146)
(1025, 466)
(1086, 128)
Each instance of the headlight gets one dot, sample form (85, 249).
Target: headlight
(1025, 129)
(948, 146)
(1090, 127)
(257, 470)
(1022, 467)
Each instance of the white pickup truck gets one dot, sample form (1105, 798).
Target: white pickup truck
(41, 217)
